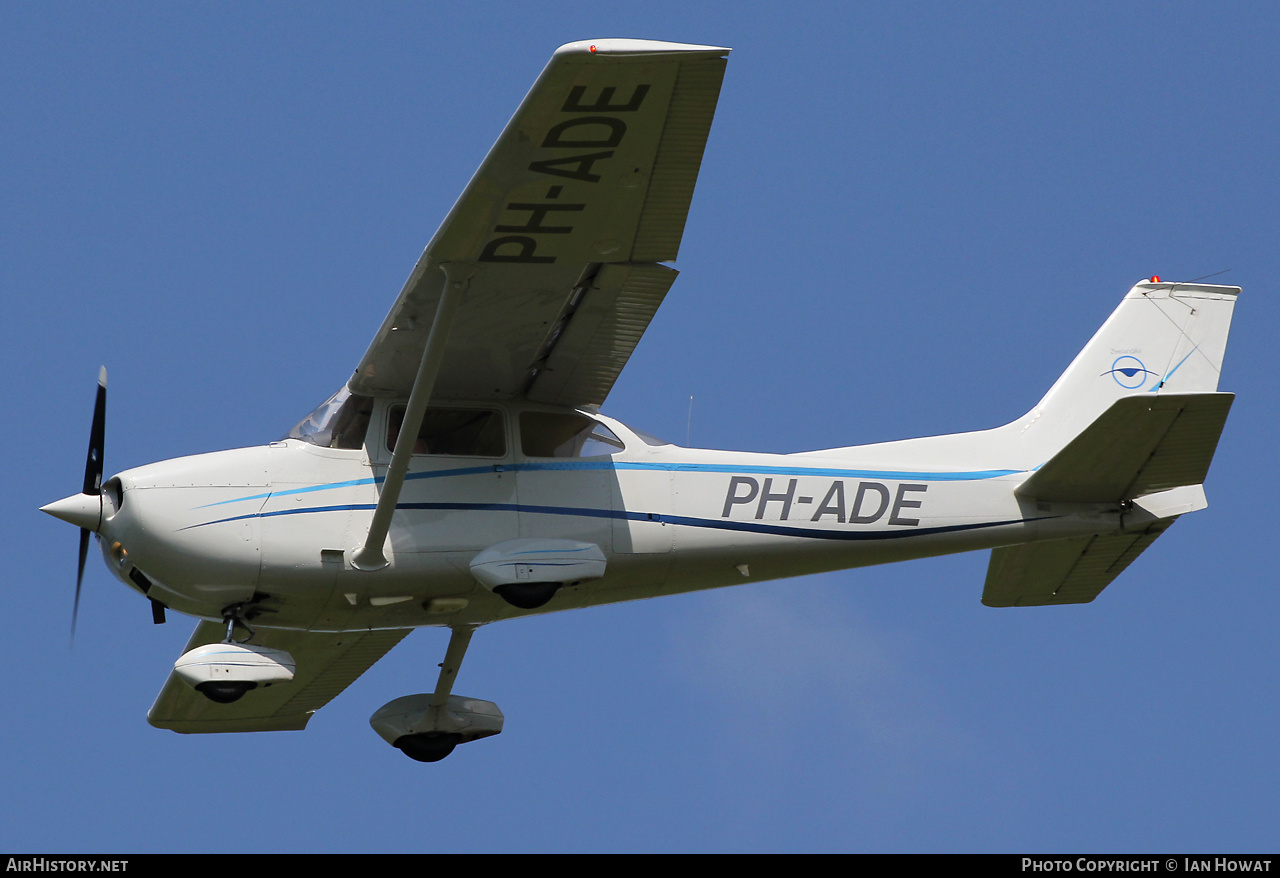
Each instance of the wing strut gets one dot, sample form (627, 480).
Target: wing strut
(457, 278)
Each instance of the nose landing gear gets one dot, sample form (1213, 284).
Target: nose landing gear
(224, 672)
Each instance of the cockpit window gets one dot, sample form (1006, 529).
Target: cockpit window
(553, 434)
(459, 432)
(339, 422)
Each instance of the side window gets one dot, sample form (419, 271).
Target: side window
(457, 432)
(552, 434)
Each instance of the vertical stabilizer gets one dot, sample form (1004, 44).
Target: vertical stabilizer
(1164, 338)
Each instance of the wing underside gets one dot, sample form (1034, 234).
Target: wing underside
(585, 192)
(326, 665)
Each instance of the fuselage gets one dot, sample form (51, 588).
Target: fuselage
(273, 528)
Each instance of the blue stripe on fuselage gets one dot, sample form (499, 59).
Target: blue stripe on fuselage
(745, 469)
(684, 520)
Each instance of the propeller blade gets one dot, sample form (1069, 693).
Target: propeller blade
(92, 480)
(84, 553)
(97, 437)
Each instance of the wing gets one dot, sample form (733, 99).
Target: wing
(327, 664)
(586, 190)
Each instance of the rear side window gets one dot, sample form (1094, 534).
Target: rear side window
(457, 432)
(553, 434)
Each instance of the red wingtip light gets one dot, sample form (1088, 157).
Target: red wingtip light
(593, 49)
(1155, 278)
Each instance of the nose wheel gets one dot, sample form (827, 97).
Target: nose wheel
(225, 672)
(224, 692)
(228, 691)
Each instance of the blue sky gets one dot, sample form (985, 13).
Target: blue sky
(910, 217)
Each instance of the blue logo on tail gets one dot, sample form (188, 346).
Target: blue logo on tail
(1129, 372)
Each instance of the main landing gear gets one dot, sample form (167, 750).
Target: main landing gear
(427, 727)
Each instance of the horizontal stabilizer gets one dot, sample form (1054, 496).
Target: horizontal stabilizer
(1070, 571)
(1140, 445)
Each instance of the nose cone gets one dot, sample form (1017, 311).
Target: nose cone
(82, 510)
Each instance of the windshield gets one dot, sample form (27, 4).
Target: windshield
(339, 422)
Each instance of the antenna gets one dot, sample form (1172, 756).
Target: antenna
(688, 428)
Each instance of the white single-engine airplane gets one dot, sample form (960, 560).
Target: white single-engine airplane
(464, 474)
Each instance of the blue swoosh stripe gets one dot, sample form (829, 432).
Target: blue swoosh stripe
(891, 475)
(1161, 383)
(288, 492)
(687, 521)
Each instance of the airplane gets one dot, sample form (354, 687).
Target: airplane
(465, 474)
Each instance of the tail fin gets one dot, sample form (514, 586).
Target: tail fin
(1135, 418)
(1165, 338)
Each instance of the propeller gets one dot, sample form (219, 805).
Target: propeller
(85, 509)
(92, 479)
